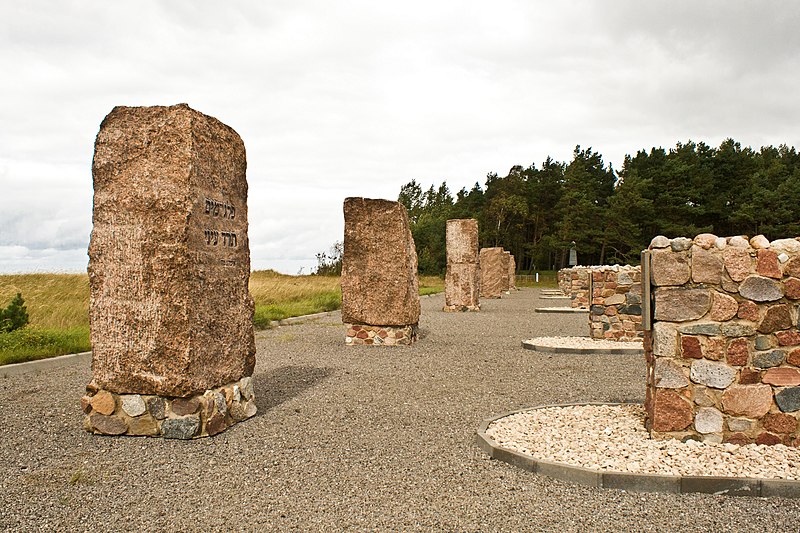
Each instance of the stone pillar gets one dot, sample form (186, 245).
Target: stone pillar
(512, 272)
(380, 289)
(616, 311)
(724, 361)
(462, 281)
(494, 272)
(169, 263)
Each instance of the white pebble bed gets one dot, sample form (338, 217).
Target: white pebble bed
(613, 438)
(584, 343)
(562, 309)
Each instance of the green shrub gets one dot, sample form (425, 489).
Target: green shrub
(15, 316)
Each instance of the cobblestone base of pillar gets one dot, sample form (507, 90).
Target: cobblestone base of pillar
(460, 308)
(202, 415)
(380, 335)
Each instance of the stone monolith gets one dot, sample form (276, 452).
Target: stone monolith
(169, 264)
(494, 272)
(462, 280)
(380, 290)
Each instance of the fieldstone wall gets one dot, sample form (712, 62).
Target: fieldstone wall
(200, 415)
(494, 272)
(576, 282)
(169, 263)
(616, 311)
(380, 289)
(462, 281)
(723, 357)
(564, 278)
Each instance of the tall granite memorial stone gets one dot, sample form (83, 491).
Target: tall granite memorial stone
(462, 280)
(494, 272)
(380, 289)
(169, 263)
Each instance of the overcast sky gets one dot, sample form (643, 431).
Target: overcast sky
(337, 99)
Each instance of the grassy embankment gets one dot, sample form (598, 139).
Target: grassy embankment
(58, 305)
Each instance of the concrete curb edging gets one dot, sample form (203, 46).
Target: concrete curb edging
(528, 345)
(724, 486)
(560, 310)
(38, 365)
(300, 319)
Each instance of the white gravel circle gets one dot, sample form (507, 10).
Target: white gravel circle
(613, 438)
(560, 310)
(583, 343)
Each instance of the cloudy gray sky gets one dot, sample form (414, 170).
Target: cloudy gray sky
(356, 98)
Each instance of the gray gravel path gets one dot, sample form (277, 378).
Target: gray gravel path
(349, 438)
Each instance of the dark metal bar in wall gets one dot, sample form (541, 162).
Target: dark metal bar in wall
(647, 308)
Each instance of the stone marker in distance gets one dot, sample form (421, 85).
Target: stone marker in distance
(380, 289)
(494, 272)
(169, 264)
(462, 281)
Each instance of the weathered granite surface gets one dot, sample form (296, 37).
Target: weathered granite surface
(462, 280)
(494, 272)
(169, 258)
(379, 265)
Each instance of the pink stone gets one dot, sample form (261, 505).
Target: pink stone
(737, 262)
(738, 352)
(715, 348)
(782, 377)
(788, 338)
(768, 439)
(791, 288)
(690, 347)
(779, 423)
(723, 307)
(752, 401)
(776, 318)
(669, 268)
(671, 411)
(792, 267)
(706, 266)
(767, 264)
(748, 311)
(749, 376)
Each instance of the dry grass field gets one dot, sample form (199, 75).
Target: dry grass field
(58, 306)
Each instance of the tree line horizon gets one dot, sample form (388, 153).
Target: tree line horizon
(537, 212)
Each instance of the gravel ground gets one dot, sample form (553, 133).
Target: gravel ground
(349, 438)
(613, 438)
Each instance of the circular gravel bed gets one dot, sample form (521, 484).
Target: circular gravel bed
(581, 345)
(560, 310)
(613, 438)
